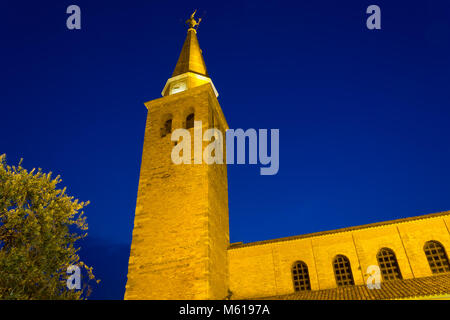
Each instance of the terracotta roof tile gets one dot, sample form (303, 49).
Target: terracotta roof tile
(398, 289)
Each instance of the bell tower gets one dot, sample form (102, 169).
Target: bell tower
(181, 232)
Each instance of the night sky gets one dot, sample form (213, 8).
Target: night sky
(363, 114)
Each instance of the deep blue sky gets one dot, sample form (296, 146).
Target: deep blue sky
(363, 115)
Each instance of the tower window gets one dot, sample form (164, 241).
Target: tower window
(190, 121)
(436, 256)
(167, 128)
(300, 276)
(388, 265)
(343, 271)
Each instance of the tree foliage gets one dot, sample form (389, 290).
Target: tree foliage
(39, 225)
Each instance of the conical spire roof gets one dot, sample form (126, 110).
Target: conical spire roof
(191, 59)
(190, 71)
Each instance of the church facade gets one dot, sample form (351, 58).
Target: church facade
(181, 249)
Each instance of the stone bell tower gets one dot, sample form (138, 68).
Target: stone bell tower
(181, 233)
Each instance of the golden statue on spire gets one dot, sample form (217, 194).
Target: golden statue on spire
(191, 21)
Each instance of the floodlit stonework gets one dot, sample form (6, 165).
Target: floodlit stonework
(180, 247)
(264, 268)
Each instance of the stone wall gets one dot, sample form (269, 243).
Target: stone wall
(264, 268)
(180, 235)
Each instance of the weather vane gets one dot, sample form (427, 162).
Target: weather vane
(191, 21)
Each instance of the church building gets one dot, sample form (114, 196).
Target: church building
(181, 248)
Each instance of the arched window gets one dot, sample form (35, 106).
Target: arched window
(300, 276)
(167, 128)
(436, 256)
(190, 121)
(343, 271)
(388, 265)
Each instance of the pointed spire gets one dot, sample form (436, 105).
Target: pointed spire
(190, 70)
(191, 59)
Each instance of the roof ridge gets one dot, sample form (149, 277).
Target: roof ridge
(345, 229)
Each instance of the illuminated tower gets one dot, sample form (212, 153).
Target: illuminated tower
(181, 233)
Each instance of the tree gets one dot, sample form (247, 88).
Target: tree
(39, 225)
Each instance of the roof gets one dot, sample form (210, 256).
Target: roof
(191, 58)
(321, 233)
(436, 285)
